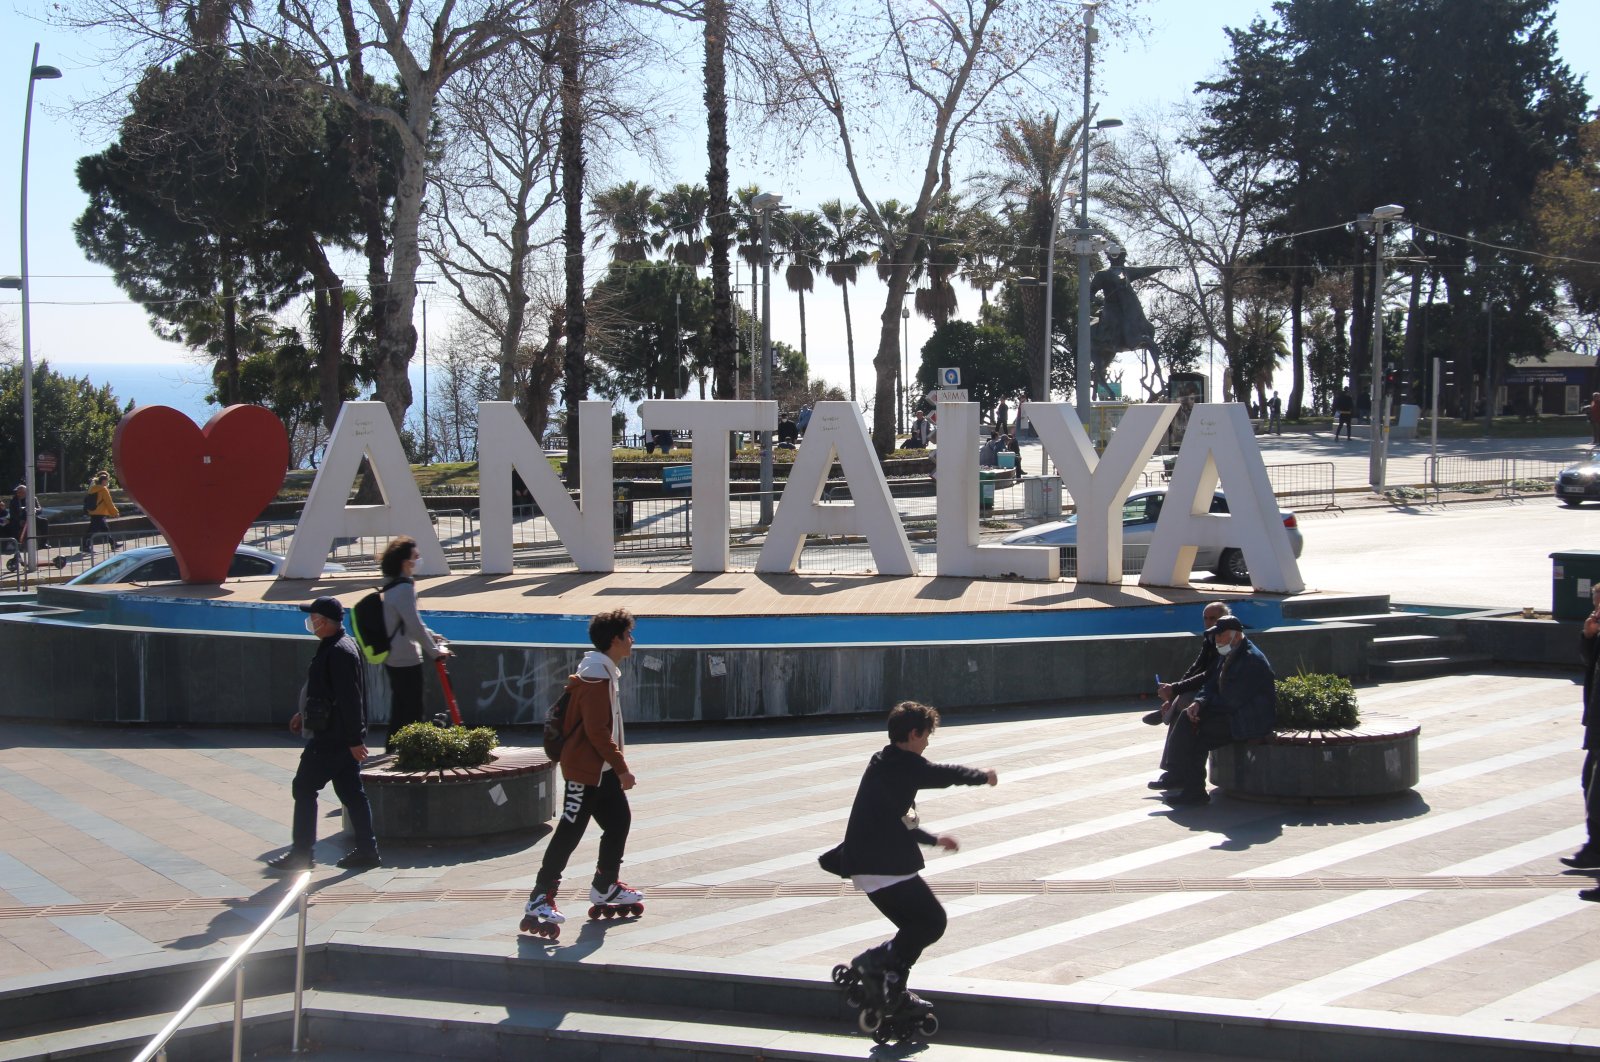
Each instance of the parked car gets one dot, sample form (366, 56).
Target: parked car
(156, 564)
(1139, 515)
(1581, 482)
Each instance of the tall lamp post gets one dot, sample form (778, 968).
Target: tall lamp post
(36, 72)
(1378, 452)
(427, 439)
(905, 372)
(1083, 243)
(766, 202)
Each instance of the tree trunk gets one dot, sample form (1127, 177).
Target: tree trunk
(516, 312)
(724, 342)
(887, 361)
(1297, 342)
(1360, 322)
(805, 360)
(568, 47)
(849, 339)
(542, 376)
(396, 301)
(327, 309)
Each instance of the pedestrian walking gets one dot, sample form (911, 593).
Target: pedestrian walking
(1594, 418)
(333, 717)
(1588, 857)
(597, 779)
(410, 641)
(1344, 406)
(1275, 414)
(1002, 416)
(880, 856)
(99, 507)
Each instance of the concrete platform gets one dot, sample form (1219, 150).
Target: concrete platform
(1446, 908)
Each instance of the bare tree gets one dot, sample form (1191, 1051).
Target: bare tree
(927, 76)
(1190, 216)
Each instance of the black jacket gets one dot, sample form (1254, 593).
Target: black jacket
(1195, 677)
(877, 840)
(336, 673)
(1591, 710)
(1244, 689)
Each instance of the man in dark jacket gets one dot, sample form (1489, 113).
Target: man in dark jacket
(880, 853)
(1238, 701)
(334, 713)
(1175, 696)
(1588, 857)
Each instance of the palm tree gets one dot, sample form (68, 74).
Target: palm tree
(945, 239)
(1035, 154)
(626, 209)
(801, 238)
(679, 218)
(845, 235)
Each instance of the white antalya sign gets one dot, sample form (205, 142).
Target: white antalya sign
(1218, 446)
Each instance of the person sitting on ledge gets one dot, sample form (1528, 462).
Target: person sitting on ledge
(1175, 696)
(1239, 701)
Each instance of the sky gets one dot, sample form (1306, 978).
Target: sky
(79, 315)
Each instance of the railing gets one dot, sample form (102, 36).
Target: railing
(157, 1048)
(1303, 486)
(1504, 474)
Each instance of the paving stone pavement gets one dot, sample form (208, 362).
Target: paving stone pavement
(116, 843)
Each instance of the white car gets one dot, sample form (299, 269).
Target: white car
(156, 564)
(1139, 515)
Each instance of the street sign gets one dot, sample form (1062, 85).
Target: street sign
(675, 476)
(45, 462)
(949, 377)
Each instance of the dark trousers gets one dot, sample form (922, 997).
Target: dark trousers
(405, 696)
(321, 763)
(1591, 795)
(1344, 426)
(918, 917)
(607, 804)
(1184, 758)
(98, 525)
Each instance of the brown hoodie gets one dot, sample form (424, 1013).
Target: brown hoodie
(591, 744)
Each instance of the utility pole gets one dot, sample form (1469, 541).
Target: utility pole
(766, 202)
(1379, 450)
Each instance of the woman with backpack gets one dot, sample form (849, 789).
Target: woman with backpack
(411, 643)
(99, 508)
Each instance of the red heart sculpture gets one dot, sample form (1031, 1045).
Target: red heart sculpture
(202, 487)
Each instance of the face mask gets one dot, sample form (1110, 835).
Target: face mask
(311, 625)
(1224, 650)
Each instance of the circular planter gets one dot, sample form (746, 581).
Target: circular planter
(516, 790)
(1376, 759)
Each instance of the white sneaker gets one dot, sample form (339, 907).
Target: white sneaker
(543, 907)
(619, 893)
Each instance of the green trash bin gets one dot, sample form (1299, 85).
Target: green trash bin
(986, 478)
(1572, 573)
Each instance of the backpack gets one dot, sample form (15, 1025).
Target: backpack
(371, 633)
(88, 502)
(555, 732)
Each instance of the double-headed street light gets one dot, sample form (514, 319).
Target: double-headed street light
(36, 72)
(1083, 243)
(766, 203)
(1379, 419)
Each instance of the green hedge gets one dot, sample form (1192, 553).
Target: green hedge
(425, 747)
(1317, 702)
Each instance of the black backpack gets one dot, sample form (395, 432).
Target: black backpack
(555, 727)
(88, 502)
(371, 633)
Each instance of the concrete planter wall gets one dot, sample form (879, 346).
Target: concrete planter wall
(514, 792)
(1378, 758)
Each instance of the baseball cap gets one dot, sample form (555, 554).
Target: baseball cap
(1227, 623)
(326, 606)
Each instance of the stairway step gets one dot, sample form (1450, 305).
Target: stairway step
(1414, 647)
(207, 1034)
(1417, 667)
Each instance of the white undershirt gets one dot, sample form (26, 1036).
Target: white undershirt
(874, 882)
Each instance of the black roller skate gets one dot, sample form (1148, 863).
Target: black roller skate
(874, 984)
(910, 1018)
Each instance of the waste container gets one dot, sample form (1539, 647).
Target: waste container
(1573, 572)
(622, 505)
(1041, 497)
(986, 478)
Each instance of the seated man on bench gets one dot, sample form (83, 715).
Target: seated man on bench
(1239, 701)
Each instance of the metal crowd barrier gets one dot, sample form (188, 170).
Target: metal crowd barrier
(1502, 474)
(1302, 486)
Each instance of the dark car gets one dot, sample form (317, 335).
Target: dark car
(1581, 482)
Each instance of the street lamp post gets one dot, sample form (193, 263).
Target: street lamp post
(905, 373)
(766, 202)
(1083, 242)
(1378, 451)
(427, 440)
(35, 73)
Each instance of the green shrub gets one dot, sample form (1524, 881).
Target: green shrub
(425, 747)
(1317, 702)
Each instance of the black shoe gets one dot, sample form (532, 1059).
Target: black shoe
(1586, 858)
(1151, 718)
(1590, 894)
(1161, 784)
(1185, 798)
(359, 859)
(292, 860)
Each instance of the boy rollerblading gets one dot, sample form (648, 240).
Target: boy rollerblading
(880, 855)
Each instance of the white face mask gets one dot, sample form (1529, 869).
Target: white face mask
(311, 625)
(1224, 650)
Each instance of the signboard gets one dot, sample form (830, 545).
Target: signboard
(45, 462)
(676, 476)
(949, 377)
(948, 394)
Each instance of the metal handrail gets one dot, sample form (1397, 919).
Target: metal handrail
(157, 1048)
